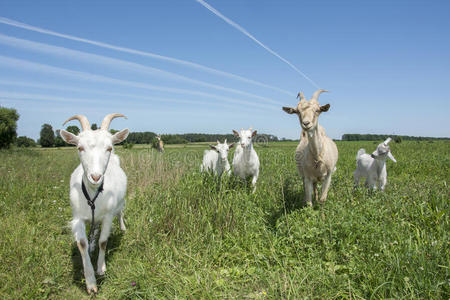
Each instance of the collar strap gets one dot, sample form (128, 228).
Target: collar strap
(88, 198)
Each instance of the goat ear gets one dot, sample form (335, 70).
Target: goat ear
(325, 107)
(120, 136)
(213, 147)
(254, 133)
(290, 110)
(231, 145)
(235, 133)
(68, 137)
(391, 157)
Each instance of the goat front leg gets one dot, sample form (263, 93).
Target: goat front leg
(383, 179)
(356, 178)
(325, 186)
(316, 192)
(79, 231)
(308, 185)
(254, 179)
(103, 241)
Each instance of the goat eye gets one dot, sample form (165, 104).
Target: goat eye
(109, 149)
(81, 148)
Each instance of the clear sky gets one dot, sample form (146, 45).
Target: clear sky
(175, 67)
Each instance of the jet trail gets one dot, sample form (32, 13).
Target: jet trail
(100, 59)
(141, 53)
(241, 29)
(27, 65)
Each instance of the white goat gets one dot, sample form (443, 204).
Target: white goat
(216, 160)
(373, 167)
(245, 159)
(99, 174)
(316, 154)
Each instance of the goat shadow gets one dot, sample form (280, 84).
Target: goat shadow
(291, 199)
(77, 264)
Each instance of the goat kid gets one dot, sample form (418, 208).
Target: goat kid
(245, 159)
(216, 160)
(373, 166)
(99, 167)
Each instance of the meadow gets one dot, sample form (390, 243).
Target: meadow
(191, 236)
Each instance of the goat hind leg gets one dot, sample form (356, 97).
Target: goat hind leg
(121, 221)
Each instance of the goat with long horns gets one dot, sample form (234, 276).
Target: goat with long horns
(97, 189)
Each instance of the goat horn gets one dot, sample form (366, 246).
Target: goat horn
(317, 93)
(301, 96)
(107, 120)
(387, 141)
(83, 121)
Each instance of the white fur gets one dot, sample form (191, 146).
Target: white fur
(216, 160)
(373, 168)
(245, 159)
(97, 159)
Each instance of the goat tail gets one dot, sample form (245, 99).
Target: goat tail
(360, 152)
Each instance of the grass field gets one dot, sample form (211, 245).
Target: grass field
(190, 236)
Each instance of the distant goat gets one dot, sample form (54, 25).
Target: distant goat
(373, 167)
(216, 160)
(160, 144)
(316, 154)
(100, 178)
(245, 159)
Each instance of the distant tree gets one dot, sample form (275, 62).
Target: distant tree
(23, 141)
(59, 142)
(94, 126)
(47, 138)
(73, 129)
(398, 139)
(8, 126)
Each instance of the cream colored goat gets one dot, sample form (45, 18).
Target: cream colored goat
(316, 154)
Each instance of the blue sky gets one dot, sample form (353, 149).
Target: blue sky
(183, 69)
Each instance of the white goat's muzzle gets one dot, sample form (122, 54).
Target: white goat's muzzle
(95, 178)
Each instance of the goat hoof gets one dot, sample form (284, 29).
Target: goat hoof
(92, 289)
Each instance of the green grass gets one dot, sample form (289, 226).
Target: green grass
(190, 236)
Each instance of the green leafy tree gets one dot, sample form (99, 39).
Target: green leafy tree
(23, 141)
(8, 126)
(94, 126)
(47, 138)
(59, 142)
(73, 129)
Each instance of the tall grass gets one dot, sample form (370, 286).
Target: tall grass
(192, 236)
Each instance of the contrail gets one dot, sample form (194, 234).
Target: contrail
(141, 53)
(100, 59)
(52, 98)
(238, 27)
(27, 65)
(58, 87)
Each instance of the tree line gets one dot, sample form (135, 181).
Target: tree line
(50, 138)
(379, 137)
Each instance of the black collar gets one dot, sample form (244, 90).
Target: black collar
(88, 198)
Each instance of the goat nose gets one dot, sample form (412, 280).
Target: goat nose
(96, 177)
(306, 123)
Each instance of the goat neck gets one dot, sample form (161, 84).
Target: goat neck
(315, 143)
(247, 151)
